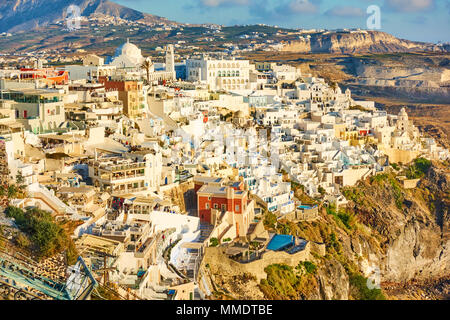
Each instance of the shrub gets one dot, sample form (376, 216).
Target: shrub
(22, 241)
(213, 242)
(12, 191)
(331, 209)
(47, 237)
(310, 267)
(360, 290)
(16, 213)
(333, 243)
(418, 169)
(346, 218)
(270, 219)
(321, 190)
(281, 283)
(397, 193)
(72, 254)
(358, 107)
(354, 194)
(379, 178)
(284, 228)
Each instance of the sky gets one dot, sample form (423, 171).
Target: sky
(419, 20)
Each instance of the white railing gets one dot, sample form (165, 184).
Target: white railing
(36, 187)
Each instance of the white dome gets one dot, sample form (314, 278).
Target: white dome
(128, 55)
(128, 49)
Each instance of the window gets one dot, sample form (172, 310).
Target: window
(207, 206)
(216, 206)
(236, 208)
(224, 207)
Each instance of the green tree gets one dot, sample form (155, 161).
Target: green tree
(418, 169)
(321, 190)
(12, 191)
(46, 236)
(20, 179)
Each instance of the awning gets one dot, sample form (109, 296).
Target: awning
(164, 202)
(192, 245)
(129, 201)
(232, 251)
(12, 124)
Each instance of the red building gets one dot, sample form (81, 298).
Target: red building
(213, 194)
(199, 181)
(225, 199)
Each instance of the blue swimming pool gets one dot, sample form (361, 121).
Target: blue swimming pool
(280, 242)
(304, 206)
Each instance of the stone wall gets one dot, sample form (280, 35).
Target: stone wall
(302, 215)
(318, 248)
(403, 156)
(218, 261)
(410, 183)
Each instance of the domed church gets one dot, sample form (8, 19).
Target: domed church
(127, 55)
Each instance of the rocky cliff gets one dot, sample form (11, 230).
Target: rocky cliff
(411, 227)
(399, 236)
(403, 76)
(357, 42)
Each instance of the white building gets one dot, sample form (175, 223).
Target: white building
(219, 74)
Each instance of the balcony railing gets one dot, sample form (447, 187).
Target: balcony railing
(132, 190)
(113, 178)
(138, 165)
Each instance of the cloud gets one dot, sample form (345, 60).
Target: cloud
(222, 3)
(303, 6)
(208, 5)
(345, 11)
(284, 11)
(409, 5)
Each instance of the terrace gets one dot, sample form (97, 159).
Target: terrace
(32, 96)
(287, 243)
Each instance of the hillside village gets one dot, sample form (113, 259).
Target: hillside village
(151, 164)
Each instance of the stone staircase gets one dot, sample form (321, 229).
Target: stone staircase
(222, 234)
(205, 231)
